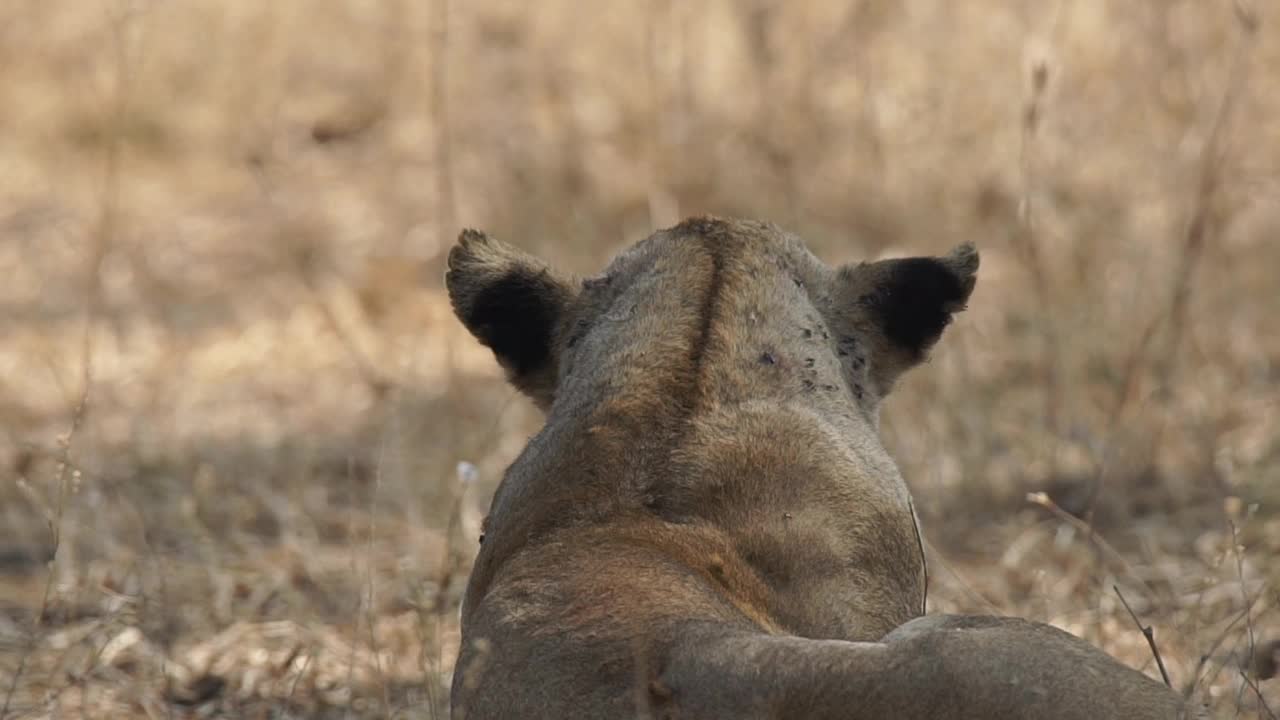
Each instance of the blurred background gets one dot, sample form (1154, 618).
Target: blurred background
(234, 401)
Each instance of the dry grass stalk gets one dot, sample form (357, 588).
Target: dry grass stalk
(1148, 632)
(1118, 561)
(1194, 241)
(1029, 244)
(1207, 188)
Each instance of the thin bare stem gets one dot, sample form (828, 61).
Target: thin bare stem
(1213, 648)
(1194, 241)
(55, 528)
(1149, 633)
(964, 584)
(100, 243)
(445, 201)
(1044, 501)
(1251, 648)
(1262, 701)
(1128, 386)
(441, 122)
(369, 580)
(379, 382)
(1206, 191)
(1029, 244)
(355, 569)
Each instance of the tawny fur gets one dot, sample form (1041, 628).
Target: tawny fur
(708, 525)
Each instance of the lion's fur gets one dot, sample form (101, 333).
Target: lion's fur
(708, 525)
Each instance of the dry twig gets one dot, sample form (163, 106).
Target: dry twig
(1213, 648)
(1262, 701)
(1044, 501)
(1148, 632)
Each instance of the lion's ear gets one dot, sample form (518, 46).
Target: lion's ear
(901, 306)
(513, 303)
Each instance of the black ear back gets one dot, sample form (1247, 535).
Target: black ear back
(516, 316)
(914, 301)
(899, 307)
(513, 303)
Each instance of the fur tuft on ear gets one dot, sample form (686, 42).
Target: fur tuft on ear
(513, 303)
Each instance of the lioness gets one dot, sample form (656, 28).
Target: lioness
(708, 525)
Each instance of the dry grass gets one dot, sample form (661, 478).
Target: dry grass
(233, 401)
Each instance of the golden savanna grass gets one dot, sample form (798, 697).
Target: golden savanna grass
(234, 403)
